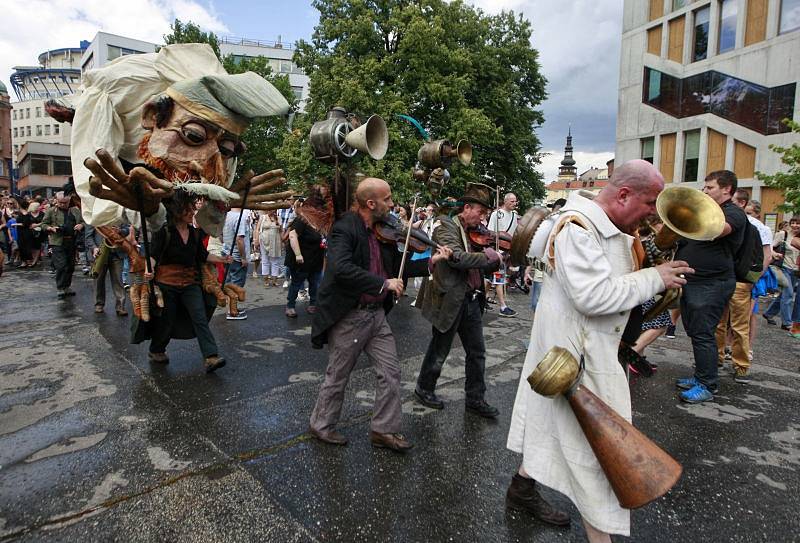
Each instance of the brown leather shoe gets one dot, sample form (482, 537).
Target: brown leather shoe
(159, 358)
(523, 496)
(395, 442)
(213, 363)
(121, 312)
(328, 436)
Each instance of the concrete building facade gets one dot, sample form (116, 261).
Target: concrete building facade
(704, 86)
(280, 60)
(106, 47)
(58, 74)
(43, 167)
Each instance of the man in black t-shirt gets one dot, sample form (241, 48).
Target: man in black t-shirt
(708, 290)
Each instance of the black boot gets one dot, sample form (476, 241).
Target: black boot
(523, 496)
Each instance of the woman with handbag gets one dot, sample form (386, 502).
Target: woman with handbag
(787, 249)
(177, 254)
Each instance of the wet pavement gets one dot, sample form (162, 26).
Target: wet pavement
(98, 445)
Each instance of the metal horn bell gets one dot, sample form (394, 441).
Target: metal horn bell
(687, 213)
(371, 138)
(440, 153)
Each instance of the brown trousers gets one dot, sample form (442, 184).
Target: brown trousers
(738, 312)
(360, 330)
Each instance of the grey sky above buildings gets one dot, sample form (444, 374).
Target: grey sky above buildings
(578, 42)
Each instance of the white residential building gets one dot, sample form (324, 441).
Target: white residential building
(704, 86)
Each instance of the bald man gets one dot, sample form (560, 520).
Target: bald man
(358, 289)
(63, 224)
(589, 289)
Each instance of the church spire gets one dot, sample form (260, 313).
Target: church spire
(568, 163)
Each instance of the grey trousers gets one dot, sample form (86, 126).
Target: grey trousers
(114, 269)
(367, 331)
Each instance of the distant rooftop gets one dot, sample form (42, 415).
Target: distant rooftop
(233, 40)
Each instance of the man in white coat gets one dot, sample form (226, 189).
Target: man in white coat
(593, 282)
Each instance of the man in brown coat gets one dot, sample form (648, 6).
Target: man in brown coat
(453, 301)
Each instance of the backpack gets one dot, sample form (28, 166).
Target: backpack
(748, 260)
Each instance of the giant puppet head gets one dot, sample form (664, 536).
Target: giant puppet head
(181, 115)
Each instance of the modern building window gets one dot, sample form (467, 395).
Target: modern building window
(790, 16)
(755, 29)
(38, 112)
(27, 130)
(116, 52)
(40, 166)
(675, 46)
(16, 134)
(678, 4)
(700, 41)
(38, 130)
(62, 166)
(286, 66)
(656, 9)
(759, 108)
(14, 112)
(715, 159)
(648, 149)
(56, 129)
(47, 130)
(691, 155)
(744, 160)
(27, 113)
(298, 93)
(654, 40)
(729, 9)
(667, 160)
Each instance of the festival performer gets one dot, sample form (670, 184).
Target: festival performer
(358, 289)
(589, 289)
(159, 123)
(454, 301)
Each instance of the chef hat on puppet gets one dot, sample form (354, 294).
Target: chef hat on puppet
(108, 109)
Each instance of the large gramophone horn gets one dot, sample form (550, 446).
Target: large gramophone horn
(687, 213)
(371, 138)
(440, 153)
(638, 470)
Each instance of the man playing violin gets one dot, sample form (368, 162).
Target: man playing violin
(454, 300)
(358, 289)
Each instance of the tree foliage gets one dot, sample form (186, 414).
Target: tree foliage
(789, 180)
(264, 137)
(463, 74)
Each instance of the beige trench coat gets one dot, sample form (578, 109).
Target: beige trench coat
(585, 301)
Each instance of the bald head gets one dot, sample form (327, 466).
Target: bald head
(631, 193)
(374, 197)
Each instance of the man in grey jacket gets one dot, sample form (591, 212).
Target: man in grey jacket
(453, 301)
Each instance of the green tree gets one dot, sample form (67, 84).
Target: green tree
(265, 136)
(463, 74)
(191, 33)
(789, 180)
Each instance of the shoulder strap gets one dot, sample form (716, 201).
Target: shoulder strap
(551, 243)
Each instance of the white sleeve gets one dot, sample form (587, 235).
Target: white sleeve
(585, 272)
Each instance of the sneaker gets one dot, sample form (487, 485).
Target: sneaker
(285, 284)
(238, 317)
(697, 394)
(491, 301)
(291, 313)
(507, 312)
(742, 376)
(670, 334)
(61, 294)
(86, 270)
(728, 354)
(786, 327)
(691, 382)
(770, 320)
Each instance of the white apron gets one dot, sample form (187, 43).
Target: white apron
(585, 302)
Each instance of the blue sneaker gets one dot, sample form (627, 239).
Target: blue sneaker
(691, 382)
(697, 394)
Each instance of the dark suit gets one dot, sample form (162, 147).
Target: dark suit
(351, 327)
(453, 307)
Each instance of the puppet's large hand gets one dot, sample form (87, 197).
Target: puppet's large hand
(260, 195)
(110, 182)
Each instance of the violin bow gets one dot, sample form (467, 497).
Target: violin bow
(405, 249)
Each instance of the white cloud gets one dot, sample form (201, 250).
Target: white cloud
(579, 49)
(31, 27)
(583, 161)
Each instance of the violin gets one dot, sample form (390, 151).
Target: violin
(482, 237)
(391, 231)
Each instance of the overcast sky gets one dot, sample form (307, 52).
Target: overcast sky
(578, 42)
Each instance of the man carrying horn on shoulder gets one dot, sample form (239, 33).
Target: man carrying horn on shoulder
(592, 283)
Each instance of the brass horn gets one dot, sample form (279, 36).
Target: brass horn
(638, 470)
(440, 153)
(688, 213)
